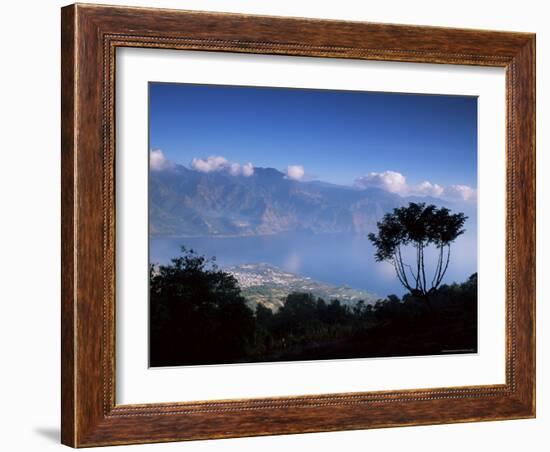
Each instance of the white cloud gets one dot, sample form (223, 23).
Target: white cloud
(158, 162)
(210, 164)
(461, 192)
(248, 169)
(428, 189)
(395, 182)
(234, 169)
(391, 181)
(295, 172)
(216, 163)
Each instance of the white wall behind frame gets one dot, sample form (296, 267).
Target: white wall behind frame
(29, 235)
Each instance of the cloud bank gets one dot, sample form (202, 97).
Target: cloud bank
(295, 172)
(461, 192)
(396, 182)
(215, 163)
(391, 181)
(158, 162)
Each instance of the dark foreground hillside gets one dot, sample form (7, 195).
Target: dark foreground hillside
(198, 315)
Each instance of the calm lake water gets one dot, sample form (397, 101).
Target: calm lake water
(339, 259)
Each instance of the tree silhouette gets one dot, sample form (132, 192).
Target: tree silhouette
(419, 225)
(197, 313)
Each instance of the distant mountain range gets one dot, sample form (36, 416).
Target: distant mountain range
(269, 285)
(189, 203)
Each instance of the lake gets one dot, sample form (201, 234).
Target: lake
(338, 259)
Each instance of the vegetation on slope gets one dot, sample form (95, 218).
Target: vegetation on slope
(198, 315)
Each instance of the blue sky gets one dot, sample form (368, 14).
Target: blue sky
(335, 136)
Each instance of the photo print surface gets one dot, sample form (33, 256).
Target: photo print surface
(302, 224)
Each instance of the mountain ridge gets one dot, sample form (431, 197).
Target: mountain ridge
(189, 203)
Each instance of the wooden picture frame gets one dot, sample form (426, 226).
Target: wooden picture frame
(90, 36)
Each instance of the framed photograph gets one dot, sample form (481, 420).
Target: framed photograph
(281, 225)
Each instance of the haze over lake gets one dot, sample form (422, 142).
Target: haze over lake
(340, 259)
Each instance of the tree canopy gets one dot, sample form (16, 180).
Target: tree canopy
(195, 303)
(418, 225)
